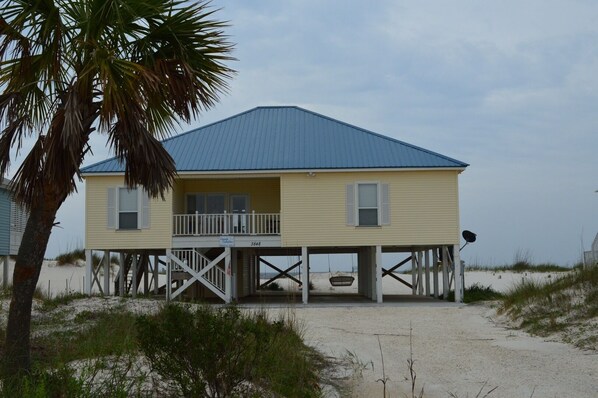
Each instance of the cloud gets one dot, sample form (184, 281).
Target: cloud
(509, 87)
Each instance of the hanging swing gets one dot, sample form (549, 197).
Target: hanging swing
(340, 279)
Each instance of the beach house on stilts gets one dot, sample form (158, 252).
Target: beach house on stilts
(277, 181)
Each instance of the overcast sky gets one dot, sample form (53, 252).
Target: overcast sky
(509, 87)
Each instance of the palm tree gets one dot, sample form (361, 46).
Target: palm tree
(129, 69)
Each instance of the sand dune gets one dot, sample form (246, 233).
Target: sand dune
(457, 349)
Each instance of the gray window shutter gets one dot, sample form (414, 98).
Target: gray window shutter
(145, 210)
(385, 204)
(350, 204)
(111, 209)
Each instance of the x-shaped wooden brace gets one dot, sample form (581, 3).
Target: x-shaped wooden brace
(389, 272)
(281, 273)
(198, 276)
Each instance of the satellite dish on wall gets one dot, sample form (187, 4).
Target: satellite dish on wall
(469, 236)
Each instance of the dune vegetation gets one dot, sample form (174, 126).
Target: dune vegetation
(566, 307)
(98, 348)
(78, 255)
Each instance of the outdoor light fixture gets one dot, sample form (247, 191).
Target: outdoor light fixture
(311, 174)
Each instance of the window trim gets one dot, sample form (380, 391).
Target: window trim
(138, 210)
(378, 204)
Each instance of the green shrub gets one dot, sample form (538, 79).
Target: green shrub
(50, 303)
(58, 383)
(79, 254)
(521, 266)
(274, 286)
(477, 292)
(221, 352)
(92, 335)
(70, 257)
(95, 379)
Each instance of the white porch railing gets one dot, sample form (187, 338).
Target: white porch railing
(226, 224)
(197, 262)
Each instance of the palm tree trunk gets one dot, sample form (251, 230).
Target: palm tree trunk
(17, 361)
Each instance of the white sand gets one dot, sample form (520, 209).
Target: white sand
(63, 278)
(71, 278)
(499, 281)
(456, 348)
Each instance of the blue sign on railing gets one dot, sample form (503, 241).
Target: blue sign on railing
(227, 241)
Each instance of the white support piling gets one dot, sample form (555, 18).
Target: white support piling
(107, 272)
(420, 276)
(134, 277)
(121, 276)
(372, 272)
(427, 260)
(156, 274)
(168, 275)
(228, 278)
(305, 275)
(145, 275)
(379, 293)
(362, 267)
(413, 273)
(458, 274)
(445, 272)
(88, 270)
(253, 281)
(234, 265)
(435, 271)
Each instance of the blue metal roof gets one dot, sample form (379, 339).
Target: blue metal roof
(287, 138)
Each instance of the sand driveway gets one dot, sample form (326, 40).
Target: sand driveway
(456, 348)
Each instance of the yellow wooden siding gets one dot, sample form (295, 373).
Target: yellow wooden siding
(264, 193)
(178, 197)
(423, 209)
(97, 234)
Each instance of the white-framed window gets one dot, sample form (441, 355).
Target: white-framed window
(368, 204)
(128, 209)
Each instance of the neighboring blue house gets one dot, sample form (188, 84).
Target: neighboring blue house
(4, 218)
(13, 219)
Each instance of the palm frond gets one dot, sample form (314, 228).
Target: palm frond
(11, 136)
(132, 69)
(147, 163)
(27, 185)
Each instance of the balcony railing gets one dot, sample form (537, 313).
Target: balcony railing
(226, 224)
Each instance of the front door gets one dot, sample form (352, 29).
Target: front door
(239, 206)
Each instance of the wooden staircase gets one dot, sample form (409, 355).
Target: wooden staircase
(193, 265)
(142, 265)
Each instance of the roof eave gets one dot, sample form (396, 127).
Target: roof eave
(282, 171)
